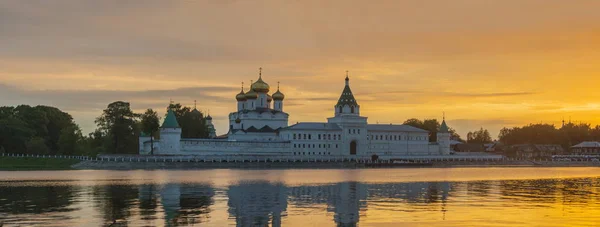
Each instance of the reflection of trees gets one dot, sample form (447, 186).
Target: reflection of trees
(148, 201)
(27, 199)
(116, 201)
(579, 190)
(257, 203)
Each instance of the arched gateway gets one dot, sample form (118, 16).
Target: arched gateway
(353, 147)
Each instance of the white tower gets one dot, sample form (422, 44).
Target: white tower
(212, 133)
(170, 134)
(443, 138)
(347, 105)
(278, 97)
(241, 99)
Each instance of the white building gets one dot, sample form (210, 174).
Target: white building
(259, 127)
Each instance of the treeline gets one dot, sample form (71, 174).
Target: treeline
(47, 130)
(433, 126)
(568, 135)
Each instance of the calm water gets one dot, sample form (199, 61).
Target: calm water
(366, 197)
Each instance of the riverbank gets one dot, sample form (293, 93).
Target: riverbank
(33, 163)
(112, 165)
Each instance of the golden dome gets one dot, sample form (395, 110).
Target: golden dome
(251, 95)
(241, 96)
(260, 86)
(278, 95)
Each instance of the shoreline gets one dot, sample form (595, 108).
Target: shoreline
(105, 165)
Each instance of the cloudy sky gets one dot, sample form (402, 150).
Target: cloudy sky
(485, 63)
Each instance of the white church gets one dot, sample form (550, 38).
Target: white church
(259, 127)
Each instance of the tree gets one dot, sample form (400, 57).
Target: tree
(14, 135)
(414, 122)
(70, 140)
(37, 145)
(192, 122)
(480, 136)
(119, 123)
(150, 124)
(433, 126)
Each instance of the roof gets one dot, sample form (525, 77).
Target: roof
(587, 144)
(444, 127)
(170, 120)
(347, 98)
(394, 128)
(314, 126)
(261, 110)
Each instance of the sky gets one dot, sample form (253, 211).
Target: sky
(485, 63)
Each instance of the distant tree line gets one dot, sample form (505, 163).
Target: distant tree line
(49, 131)
(433, 126)
(568, 135)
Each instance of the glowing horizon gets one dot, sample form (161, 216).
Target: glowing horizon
(489, 64)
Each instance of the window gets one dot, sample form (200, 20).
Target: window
(294, 135)
(304, 136)
(309, 136)
(319, 137)
(340, 109)
(352, 109)
(303, 145)
(294, 145)
(329, 136)
(336, 146)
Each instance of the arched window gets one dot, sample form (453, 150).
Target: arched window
(352, 109)
(340, 109)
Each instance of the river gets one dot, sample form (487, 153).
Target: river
(519, 196)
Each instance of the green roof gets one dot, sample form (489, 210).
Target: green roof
(170, 120)
(444, 127)
(347, 98)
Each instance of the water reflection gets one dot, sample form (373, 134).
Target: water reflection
(568, 201)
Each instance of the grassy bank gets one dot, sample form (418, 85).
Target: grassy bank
(28, 163)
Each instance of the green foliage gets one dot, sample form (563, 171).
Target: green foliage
(567, 136)
(70, 140)
(192, 122)
(37, 145)
(30, 163)
(480, 136)
(120, 125)
(150, 124)
(433, 126)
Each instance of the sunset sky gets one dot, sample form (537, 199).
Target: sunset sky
(485, 63)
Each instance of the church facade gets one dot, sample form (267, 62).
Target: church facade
(259, 127)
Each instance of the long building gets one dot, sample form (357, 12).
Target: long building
(259, 127)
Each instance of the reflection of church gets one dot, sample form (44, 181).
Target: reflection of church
(259, 126)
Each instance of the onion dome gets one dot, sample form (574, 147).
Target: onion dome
(196, 112)
(241, 96)
(260, 85)
(208, 117)
(278, 95)
(251, 95)
(238, 120)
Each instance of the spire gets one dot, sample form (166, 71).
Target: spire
(194, 104)
(260, 73)
(170, 120)
(444, 127)
(347, 98)
(347, 79)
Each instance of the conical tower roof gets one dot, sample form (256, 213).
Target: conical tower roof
(444, 127)
(170, 120)
(347, 98)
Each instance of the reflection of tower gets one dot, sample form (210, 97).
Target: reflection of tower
(346, 203)
(255, 203)
(169, 198)
(186, 204)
